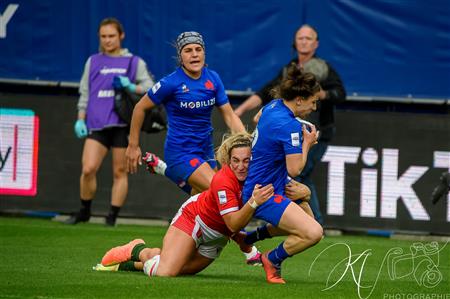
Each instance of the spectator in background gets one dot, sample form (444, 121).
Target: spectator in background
(306, 42)
(97, 120)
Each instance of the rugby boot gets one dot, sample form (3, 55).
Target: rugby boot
(154, 163)
(120, 254)
(251, 259)
(273, 273)
(255, 261)
(110, 220)
(80, 216)
(100, 267)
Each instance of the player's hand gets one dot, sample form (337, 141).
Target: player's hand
(262, 194)
(295, 190)
(310, 134)
(80, 128)
(133, 156)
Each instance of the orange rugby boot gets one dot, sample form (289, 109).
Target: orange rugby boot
(120, 254)
(273, 273)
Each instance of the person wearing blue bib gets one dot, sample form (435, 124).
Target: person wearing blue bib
(281, 144)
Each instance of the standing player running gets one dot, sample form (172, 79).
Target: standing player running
(189, 95)
(280, 148)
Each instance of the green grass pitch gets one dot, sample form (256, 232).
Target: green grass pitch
(45, 259)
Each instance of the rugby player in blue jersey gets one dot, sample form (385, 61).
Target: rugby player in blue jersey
(280, 149)
(189, 95)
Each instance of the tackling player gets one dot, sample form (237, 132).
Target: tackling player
(204, 223)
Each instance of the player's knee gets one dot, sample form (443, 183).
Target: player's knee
(166, 272)
(314, 233)
(119, 172)
(88, 170)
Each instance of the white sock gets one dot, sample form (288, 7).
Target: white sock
(252, 253)
(161, 167)
(151, 266)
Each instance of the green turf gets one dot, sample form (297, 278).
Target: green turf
(45, 259)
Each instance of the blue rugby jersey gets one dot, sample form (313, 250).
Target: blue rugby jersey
(277, 134)
(189, 103)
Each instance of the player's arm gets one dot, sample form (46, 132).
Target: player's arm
(144, 78)
(261, 97)
(252, 102)
(231, 119)
(298, 191)
(257, 116)
(296, 162)
(295, 191)
(133, 152)
(237, 220)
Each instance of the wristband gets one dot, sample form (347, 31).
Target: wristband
(253, 204)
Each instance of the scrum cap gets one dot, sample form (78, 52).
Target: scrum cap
(189, 37)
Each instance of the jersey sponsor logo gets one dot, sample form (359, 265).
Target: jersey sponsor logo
(156, 87)
(295, 139)
(105, 93)
(113, 70)
(222, 197)
(198, 104)
(209, 85)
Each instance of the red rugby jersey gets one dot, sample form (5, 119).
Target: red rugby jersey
(223, 196)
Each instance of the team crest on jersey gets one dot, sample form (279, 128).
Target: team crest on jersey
(277, 198)
(184, 88)
(194, 162)
(209, 85)
(222, 197)
(295, 139)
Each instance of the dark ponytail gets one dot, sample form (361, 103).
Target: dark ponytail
(296, 83)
